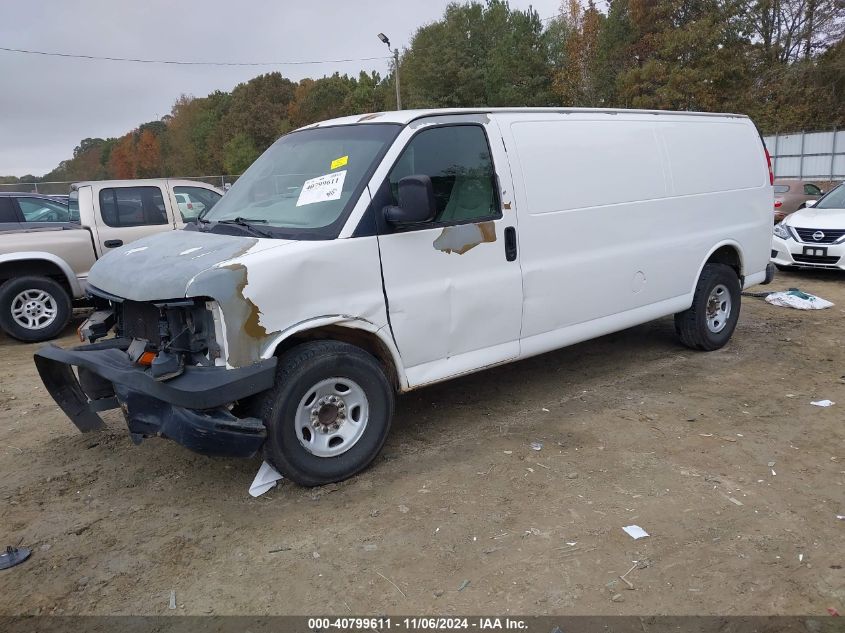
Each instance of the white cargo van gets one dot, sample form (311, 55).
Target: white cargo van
(375, 254)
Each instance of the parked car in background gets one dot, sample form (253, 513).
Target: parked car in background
(47, 248)
(371, 255)
(791, 195)
(25, 208)
(813, 237)
(59, 198)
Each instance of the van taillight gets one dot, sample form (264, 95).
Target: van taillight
(769, 163)
(778, 203)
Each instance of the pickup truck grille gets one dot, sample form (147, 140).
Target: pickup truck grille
(830, 235)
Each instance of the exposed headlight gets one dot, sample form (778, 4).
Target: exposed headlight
(782, 232)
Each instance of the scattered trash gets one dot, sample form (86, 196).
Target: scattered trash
(172, 604)
(832, 611)
(403, 508)
(841, 517)
(284, 548)
(617, 597)
(315, 555)
(823, 403)
(794, 298)
(735, 501)
(14, 556)
(464, 585)
(533, 531)
(508, 452)
(572, 543)
(536, 446)
(771, 464)
(635, 531)
(545, 409)
(800, 558)
(774, 474)
(265, 479)
(572, 476)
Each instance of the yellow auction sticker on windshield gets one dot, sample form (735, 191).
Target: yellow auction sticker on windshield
(340, 162)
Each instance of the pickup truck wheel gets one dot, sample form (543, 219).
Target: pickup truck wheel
(328, 415)
(33, 309)
(709, 323)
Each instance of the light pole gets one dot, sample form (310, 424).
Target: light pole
(386, 40)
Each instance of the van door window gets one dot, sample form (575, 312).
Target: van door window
(811, 190)
(132, 206)
(457, 159)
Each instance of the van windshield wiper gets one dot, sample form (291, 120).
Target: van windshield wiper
(247, 224)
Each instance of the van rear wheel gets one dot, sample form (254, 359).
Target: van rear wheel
(329, 414)
(709, 323)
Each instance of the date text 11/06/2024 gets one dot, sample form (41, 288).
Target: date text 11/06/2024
(416, 623)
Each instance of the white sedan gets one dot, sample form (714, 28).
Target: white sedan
(813, 237)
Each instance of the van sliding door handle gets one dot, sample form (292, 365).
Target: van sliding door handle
(510, 243)
(113, 243)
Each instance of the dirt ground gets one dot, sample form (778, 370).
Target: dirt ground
(460, 514)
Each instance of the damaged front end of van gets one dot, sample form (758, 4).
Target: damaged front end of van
(157, 346)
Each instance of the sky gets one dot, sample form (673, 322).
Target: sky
(48, 104)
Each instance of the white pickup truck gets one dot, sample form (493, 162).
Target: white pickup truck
(46, 249)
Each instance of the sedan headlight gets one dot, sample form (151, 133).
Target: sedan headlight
(781, 231)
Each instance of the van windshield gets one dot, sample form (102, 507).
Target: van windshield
(306, 182)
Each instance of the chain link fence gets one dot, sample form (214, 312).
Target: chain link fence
(62, 188)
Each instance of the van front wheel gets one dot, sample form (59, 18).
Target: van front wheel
(329, 414)
(709, 323)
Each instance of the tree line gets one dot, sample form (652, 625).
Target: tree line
(780, 61)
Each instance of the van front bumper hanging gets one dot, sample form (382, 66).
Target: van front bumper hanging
(191, 409)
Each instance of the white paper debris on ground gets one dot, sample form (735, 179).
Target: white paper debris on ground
(536, 446)
(823, 403)
(635, 531)
(265, 479)
(794, 298)
(841, 517)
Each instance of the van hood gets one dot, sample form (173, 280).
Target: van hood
(163, 266)
(812, 218)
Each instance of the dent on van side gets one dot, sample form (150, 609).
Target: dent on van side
(362, 257)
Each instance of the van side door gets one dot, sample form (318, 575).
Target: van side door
(125, 214)
(453, 285)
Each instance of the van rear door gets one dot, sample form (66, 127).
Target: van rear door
(453, 285)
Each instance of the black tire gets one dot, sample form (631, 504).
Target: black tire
(58, 296)
(692, 325)
(299, 370)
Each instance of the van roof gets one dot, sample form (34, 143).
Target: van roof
(407, 116)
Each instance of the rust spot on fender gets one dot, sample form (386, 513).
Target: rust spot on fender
(245, 334)
(507, 205)
(460, 239)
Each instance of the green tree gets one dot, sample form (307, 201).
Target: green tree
(239, 153)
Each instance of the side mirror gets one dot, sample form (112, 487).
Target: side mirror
(416, 202)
